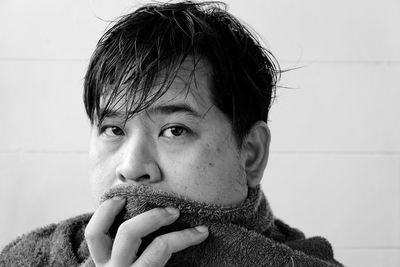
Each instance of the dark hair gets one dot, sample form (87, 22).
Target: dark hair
(149, 46)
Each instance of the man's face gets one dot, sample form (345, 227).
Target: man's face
(182, 144)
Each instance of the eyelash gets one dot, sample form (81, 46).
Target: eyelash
(183, 130)
(104, 128)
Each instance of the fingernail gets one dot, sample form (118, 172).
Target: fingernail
(119, 198)
(172, 211)
(201, 228)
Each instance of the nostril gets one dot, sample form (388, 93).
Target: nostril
(122, 178)
(138, 173)
(138, 179)
(143, 178)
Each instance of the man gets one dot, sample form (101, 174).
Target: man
(178, 97)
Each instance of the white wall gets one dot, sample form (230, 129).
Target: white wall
(334, 168)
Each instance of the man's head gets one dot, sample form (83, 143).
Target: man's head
(178, 97)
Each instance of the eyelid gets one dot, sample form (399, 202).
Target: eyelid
(111, 121)
(169, 126)
(104, 127)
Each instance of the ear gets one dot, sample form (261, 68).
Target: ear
(256, 151)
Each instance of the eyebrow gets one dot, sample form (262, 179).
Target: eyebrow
(159, 110)
(173, 108)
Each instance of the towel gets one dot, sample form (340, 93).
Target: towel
(243, 235)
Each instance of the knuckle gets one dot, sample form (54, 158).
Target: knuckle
(123, 229)
(161, 245)
(127, 234)
(89, 233)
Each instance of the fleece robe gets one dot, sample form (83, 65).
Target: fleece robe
(243, 235)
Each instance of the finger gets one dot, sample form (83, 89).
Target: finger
(99, 242)
(162, 247)
(130, 233)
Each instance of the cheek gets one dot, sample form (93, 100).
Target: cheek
(101, 172)
(224, 163)
(202, 164)
(225, 173)
(210, 172)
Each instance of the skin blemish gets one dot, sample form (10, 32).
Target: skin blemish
(211, 164)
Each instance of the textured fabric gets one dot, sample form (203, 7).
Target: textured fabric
(245, 235)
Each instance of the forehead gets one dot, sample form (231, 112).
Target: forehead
(191, 84)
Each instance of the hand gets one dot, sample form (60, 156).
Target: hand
(123, 251)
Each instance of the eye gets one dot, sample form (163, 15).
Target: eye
(111, 131)
(173, 131)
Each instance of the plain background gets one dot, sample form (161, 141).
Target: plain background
(334, 167)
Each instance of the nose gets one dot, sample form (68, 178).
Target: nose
(138, 162)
